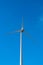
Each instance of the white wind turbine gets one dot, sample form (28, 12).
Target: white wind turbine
(21, 31)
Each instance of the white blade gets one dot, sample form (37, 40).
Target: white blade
(22, 22)
(13, 32)
(28, 35)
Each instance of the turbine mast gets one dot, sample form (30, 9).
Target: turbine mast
(20, 48)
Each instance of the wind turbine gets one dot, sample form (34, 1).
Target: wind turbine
(21, 31)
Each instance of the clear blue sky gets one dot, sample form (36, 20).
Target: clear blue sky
(11, 12)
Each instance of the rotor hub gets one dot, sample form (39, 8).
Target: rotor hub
(22, 29)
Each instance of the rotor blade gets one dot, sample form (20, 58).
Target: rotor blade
(29, 36)
(22, 22)
(13, 32)
(7, 33)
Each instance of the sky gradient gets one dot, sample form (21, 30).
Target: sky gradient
(11, 12)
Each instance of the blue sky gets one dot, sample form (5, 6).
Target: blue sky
(11, 13)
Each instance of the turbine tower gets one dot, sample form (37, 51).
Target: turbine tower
(21, 58)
